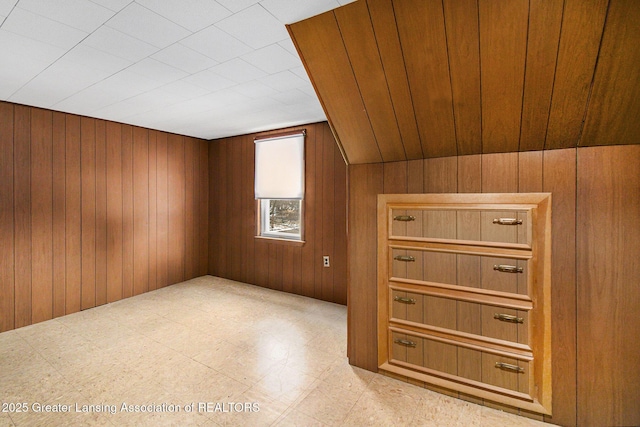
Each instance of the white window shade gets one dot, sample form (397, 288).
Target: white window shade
(280, 167)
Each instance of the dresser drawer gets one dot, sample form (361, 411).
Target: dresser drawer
(476, 271)
(460, 363)
(486, 226)
(482, 320)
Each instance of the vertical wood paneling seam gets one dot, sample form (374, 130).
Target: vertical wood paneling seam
(576, 278)
(95, 213)
(30, 215)
(122, 207)
(148, 157)
(53, 267)
(184, 213)
(480, 89)
(406, 75)
(393, 107)
(593, 76)
(64, 202)
(375, 137)
(524, 80)
(80, 204)
(453, 113)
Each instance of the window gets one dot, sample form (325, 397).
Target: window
(281, 218)
(279, 186)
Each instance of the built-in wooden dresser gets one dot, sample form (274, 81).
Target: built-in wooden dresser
(464, 293)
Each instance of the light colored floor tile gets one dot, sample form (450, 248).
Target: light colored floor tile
(223, 353)
(296, 418)
(284, 384)
(328, 404)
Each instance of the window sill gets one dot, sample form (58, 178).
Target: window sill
(281, 241)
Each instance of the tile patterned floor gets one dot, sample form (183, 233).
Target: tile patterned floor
(240, 354)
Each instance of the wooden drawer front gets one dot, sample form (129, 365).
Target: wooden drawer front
(473, 271)
(469, 317)
(461, 362)
(470, 225)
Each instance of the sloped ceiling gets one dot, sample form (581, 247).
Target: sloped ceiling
(412, 79)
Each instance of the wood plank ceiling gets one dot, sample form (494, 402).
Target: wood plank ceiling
(412, 79)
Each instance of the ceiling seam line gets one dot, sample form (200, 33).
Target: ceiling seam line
(593, 77)
(406, 76)
(555, 73)
(393, 107)
(524, 78)
(453, 110)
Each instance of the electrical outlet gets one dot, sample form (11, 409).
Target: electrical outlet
(325, 261)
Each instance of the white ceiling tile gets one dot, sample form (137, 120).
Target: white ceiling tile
(41, 92)
(289, 46)
(86, 56)
(209, 81)
(237, 5)
(119, 44)
(184, 58)
(300, 72)
(81, 14)
(115, 5)
(292, 97)
(127, 84)
(16, 72)
(216, 44)
(146, 25)
(290, 11)
(25, 47)
(184, 90)
(6, 6)
(116, 88)
(312, 112)
(193, 15)
(255, 89)
(272, 59)
(238, 70)
(283, 81)
(39, 28)
(309, 90)
(144, 102)
(87, 101)
(254, 26)
(146, 67)
(61, 80)
(156, 70)
(226, 100)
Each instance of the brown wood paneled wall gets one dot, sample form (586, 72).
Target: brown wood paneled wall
(596, 203)
(93, 211)
(608, 285)
(234, 251)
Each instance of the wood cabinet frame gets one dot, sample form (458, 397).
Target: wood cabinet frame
(537, 397)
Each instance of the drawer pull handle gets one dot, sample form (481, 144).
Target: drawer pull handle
(507, 268)
(405, 218)
(404, 258)
(509, 367)
(406, 343)
(507, 221)
(405, 300)
(508, 318)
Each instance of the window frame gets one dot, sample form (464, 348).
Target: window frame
(263, 220)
